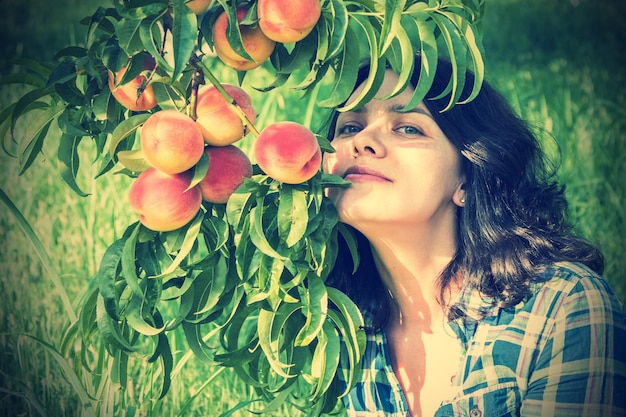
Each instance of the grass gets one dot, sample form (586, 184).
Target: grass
(558, 62)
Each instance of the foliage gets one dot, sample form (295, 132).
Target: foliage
(245, 281)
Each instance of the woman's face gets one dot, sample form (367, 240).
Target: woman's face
(403, 169)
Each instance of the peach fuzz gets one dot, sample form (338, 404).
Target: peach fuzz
(199, 6)
(137, 94)
(163, 201)
(228, 166)
(256, 44)
(219, 122)
(288, 152)
(171, 141)
(288, 21)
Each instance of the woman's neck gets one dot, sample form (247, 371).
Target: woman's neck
(410, 269)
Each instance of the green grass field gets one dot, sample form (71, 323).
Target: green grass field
(559, 63)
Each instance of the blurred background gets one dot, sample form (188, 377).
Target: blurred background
(560, 62)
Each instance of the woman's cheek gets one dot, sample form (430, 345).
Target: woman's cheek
(329, 163)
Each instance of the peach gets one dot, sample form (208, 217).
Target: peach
(288, 21)
(137, 94)
(199, 6)
(218, 121)
(288, 152)
(163, 201)
(228, 166)
(171, 141)
(258, 46)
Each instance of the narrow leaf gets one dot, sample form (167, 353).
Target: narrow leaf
(316, 303)
(184, 33)
(391, 20)
(345, 72)
(125, 129)
(377, 68)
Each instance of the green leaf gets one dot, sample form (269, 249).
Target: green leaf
(185, 34)
(429, 57)
(104, 105)
(106, 277)
(128, 261)
(293, 214)
(257, 234)
(345, 72)
(474, 47)
(349, 323)
(315, 300)
(191, 234)
(25, 104)
(391, 22)
(403, 60)
(150, 34)
(125, 129)
(215, 287)
(233, 33)
(350, 240)
(35, 134)
(193, 335)
(325, 359)
(37, 67)
(164, 352)
(110, 330)
(199, 170)
(239, 205)
(139, 9)
(133, 160)
(457, 52)
(285, 63)
(24, 78)
(336, 15)
(270, 327)
(129, 37)
(68, 156)
(135, 313)
(377, 67)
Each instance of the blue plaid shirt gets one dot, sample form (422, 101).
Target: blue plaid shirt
(561, 352)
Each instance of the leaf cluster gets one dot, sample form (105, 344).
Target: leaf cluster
(244, 281)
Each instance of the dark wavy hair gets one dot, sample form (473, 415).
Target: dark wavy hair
(514, 223)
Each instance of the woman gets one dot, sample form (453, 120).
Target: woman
(478, 299)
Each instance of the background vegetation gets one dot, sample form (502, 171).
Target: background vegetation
(560, 62)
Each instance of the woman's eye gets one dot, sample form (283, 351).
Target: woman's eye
(409, 130)
(348, 129)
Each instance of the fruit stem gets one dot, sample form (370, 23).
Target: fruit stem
(248, 125)
(197, 80)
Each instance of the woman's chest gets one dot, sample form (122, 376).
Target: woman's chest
(425, 367)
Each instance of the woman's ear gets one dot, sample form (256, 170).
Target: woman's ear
(459, 195)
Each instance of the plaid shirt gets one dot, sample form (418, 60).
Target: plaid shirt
(561, 352)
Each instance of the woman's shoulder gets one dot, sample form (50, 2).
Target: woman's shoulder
(569, 287)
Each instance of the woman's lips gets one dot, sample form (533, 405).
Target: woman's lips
(364, 174)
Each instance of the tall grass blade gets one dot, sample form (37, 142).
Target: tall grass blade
(70, 374)
(41, 253)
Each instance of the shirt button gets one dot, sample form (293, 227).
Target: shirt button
(476, 412)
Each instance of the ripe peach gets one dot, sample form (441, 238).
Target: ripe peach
(228, 166)
(171, 141)
(288, 152)
(163, 201)
(288, 21)
(218, 121)
(256, 44)
(199, 6)
(137, 94)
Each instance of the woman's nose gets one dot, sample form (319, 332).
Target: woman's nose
(367, 142)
